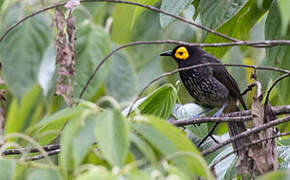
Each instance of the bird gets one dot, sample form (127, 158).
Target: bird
(210, 86)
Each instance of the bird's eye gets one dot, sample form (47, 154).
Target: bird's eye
(181, 53)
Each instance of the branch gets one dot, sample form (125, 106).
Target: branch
(50, 153)
(248, 145)
(246, 133)
(47, 148)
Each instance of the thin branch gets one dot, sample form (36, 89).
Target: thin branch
(50, 153)
(209, 135)
(192, 121)
(273, 85)
(47, 148)
(246, 133)
(248, 145)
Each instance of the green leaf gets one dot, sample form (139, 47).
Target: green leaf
(122, 78)
(121, 25)
(275, 175)
(144, 148)
(285, 15)
(237, 27)
(112, 134)
(49, 127)
(22, 50)
(92, 46)
(173, 7)
(214, 13)
(170, 141)
(7, 168)
(278, 56)
(76, 140)
(160, 103)
(45, 174)
(97, 173)
(138, 10)
(19, 114)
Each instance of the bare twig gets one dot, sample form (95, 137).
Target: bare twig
(50, 153)
(47, 148)
(246, 133)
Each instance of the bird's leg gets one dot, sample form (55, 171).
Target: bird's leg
(217, 114)
(200, 113)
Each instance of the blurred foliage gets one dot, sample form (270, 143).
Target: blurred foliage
(143, 145)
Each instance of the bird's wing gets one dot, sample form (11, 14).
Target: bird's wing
(223, 76)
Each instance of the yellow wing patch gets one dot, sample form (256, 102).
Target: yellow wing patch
(181, 53)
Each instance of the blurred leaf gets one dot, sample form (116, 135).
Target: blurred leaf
(278, 56)
(7, 169)
(47, 69)
(122, 78)
(170, 140)
(138, 10)
(112, 134)
(45, 174)
(21, 52)
(160, 103)
(76, 140)
(237, 27)
(144, 148)
(97, 173)
(49, 127)
(19, 113)
(92, 46)
(285, 15)
(275, 175)
(214, 13)
(173, 7)
(121, 25)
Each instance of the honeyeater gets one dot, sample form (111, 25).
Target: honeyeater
(210, 86)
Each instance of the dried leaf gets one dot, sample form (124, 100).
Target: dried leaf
(65, 54)
(264, 154)
(72, 4)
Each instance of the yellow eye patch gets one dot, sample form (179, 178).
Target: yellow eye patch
(181, 53)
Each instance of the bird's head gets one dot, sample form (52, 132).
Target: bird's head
(183, 55)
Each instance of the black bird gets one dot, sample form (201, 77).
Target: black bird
(210, 86)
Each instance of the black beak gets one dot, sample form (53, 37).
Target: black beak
(166, 53)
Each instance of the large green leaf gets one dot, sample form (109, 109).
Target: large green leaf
(76, 140)
(7, 169)
(22, 51)
(214, 13)
(97, 173)
(275, 175)
(112, 134)
(139, 10)
(92, 46)
(238, 26)
(160, 103)
(174, 7)
(121, 82)
(19, 114)
(278, 56)
(170, 141)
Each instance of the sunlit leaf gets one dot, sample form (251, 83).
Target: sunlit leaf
(7, 168)
(160, 103)
(285, 15)
(45, 174)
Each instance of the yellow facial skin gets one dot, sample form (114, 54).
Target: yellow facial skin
(181, 53)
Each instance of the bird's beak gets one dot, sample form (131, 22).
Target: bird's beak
(166, 53)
